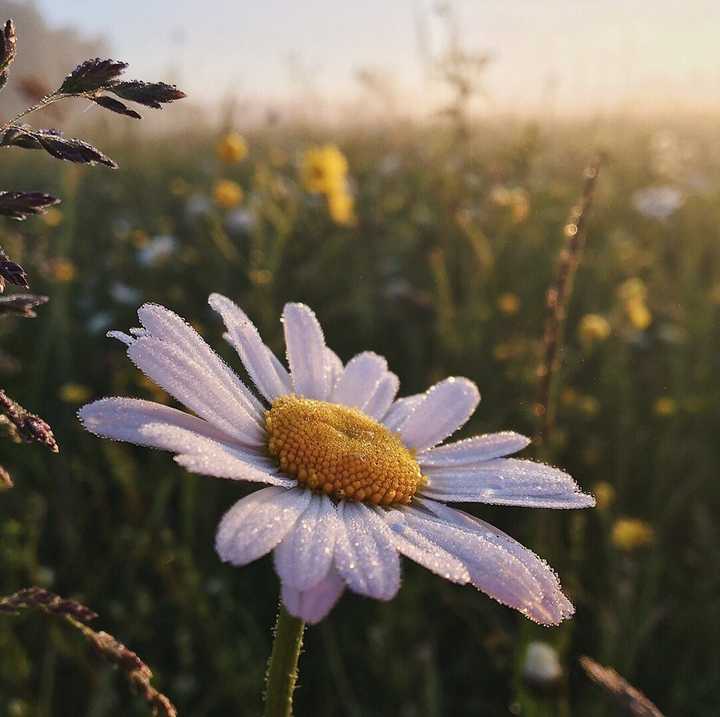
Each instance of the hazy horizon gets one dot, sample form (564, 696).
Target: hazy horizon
(565, 57)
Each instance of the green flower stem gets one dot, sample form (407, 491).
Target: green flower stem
(282, 671)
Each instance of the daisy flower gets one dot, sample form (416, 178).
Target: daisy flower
(354, 477)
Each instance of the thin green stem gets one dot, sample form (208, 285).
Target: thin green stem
(46, 101)
(282, 670)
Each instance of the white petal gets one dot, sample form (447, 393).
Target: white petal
(359, 380)
(254, 354)
(492, 569)
(305, 555)
(507, 481)
(223, 463)
(554, 606)
(335, 368)
(200, 390)
(474, 450)
(365, 555)
(258, 522)
(417, 547)
(306, 352)
(168, 326)
(401, 410)
(203, 448)
(213, 458)
(120, 336)
(122, 418)
(281, 371)
(446, 407)
(383, 396)
(314, 604)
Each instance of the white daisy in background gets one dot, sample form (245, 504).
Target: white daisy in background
(355, 477)
(658, 202)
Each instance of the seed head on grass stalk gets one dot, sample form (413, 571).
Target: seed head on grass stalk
(628, 698)
(77, 615)
(556, 303)
(93, 80)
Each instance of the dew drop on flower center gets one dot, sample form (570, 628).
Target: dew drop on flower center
(341, 452)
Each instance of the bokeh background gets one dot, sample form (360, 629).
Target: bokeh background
(407, 170)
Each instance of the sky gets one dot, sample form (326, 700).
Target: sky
(597, 55)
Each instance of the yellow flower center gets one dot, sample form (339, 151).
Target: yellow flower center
(341, 452)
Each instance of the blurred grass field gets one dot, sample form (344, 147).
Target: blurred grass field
(442, 266)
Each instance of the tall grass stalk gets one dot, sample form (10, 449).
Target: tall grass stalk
(557, 301)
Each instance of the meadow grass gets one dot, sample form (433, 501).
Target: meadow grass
(444, 271)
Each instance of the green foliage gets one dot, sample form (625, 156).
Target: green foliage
(442, 233)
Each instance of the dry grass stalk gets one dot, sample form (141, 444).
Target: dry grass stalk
(628, 697)
(95, 80)
(558, 298)
(138, 673)
(25, 426)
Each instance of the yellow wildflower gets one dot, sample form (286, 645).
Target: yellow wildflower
(232, 148)
(227, 194)
(500, 196)
(631, 533)
(508, 303)
(633, 290)
(638, 314)
(665, 406)
(593, 327)
(74, 393)
(52, 217)
(323, 170)
(633, 294)
(604, 495)
(589, 405)
(341, 206)
(63, 270)
(260, 277)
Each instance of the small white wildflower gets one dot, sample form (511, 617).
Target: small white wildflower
(124, 294)
(541, 667)
(197, 205)
(99, 322)
(158, 248)
(658, 202)
(239, 220)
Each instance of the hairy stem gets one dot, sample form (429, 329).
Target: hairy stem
(44, 102)
(282, 670)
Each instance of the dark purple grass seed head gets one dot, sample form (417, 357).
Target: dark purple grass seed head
(19, 205)
(92, 75)
(150, 94)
